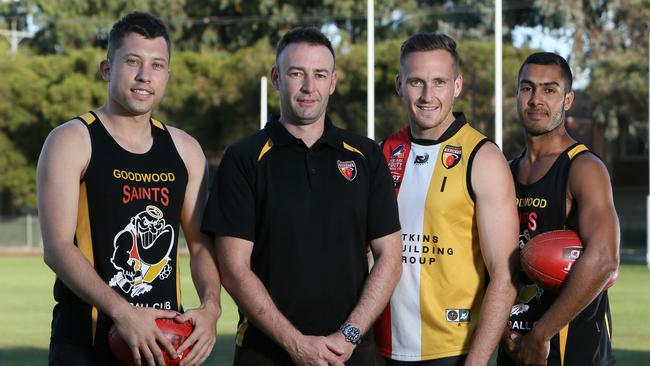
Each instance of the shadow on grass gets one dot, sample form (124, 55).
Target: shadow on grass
(18, 356)
(222, 354)
(626, 357)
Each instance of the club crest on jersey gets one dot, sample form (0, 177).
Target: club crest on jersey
(348, 169)
(398, 153)
(142, 254)
(451, 156)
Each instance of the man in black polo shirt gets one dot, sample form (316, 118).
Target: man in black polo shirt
(294, 208)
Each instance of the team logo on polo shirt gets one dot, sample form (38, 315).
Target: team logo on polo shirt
(348, 169)
(451, 156)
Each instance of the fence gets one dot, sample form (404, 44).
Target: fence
(23, 233)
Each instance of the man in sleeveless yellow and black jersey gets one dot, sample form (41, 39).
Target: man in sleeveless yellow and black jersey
(459, 226)
(294, 208)
(560, 184)
(113, 186)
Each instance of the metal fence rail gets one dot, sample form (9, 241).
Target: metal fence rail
(24, 233)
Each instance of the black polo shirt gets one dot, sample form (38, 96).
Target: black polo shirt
(310, 213)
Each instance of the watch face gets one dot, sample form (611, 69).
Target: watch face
(352, 333)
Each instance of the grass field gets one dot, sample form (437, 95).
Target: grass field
(26, 307)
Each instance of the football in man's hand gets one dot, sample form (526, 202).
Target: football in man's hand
(177, 333)
(548, 258)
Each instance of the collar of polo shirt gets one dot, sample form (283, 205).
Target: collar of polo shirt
(280, 136)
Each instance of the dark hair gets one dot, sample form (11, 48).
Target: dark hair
(309, 35)
(143, 24)
(430, 41)
(549, 58)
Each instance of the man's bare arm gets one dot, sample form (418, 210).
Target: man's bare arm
(498, 227)
(233, 256)
(202, 261)
(590, 189)
(377, 290)
(62, 162)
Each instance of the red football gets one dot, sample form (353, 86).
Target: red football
(177, 333)
(548, 258)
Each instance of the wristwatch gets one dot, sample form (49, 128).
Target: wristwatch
(351, 333)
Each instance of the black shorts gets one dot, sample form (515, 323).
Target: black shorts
(65, 354)
(364, 355)
(447, 361)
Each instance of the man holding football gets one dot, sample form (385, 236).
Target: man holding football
(574, 327)
(114, 185)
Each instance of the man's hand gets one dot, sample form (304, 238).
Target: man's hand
(338, 339)
(138, 329)
(204, 335)
(315, 351)
(508, 343)
(532, 349)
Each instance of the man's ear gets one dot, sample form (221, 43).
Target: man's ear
(105, 69)
(568, 100)
(458, 85)
(275, 77)
(398, 84)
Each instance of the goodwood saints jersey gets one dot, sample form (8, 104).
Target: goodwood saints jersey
(127, 228)
(586, 340)
(434, 309)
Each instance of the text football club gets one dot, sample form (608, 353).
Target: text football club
(132, 192)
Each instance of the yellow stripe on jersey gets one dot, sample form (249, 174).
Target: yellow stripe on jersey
(88, 118)
(350, 148)
(267, 146)
(563, 339)
(94, 313)
(241, 329)
(576, 150)
(158, 124)
(85, 242)
(609, 330)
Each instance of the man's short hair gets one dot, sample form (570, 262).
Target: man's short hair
(309, 35)
(549, 58)
(144, 24)
(430, 41)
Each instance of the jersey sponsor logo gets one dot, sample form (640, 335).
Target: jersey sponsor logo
(397, 180)
(348, 169)
(451, 156)
(398, 152)
(457, 315)
(142, 252)
(421, 159)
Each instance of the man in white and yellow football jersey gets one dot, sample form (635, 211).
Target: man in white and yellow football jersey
(459, 221)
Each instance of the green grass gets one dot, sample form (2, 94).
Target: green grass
(26, 310)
